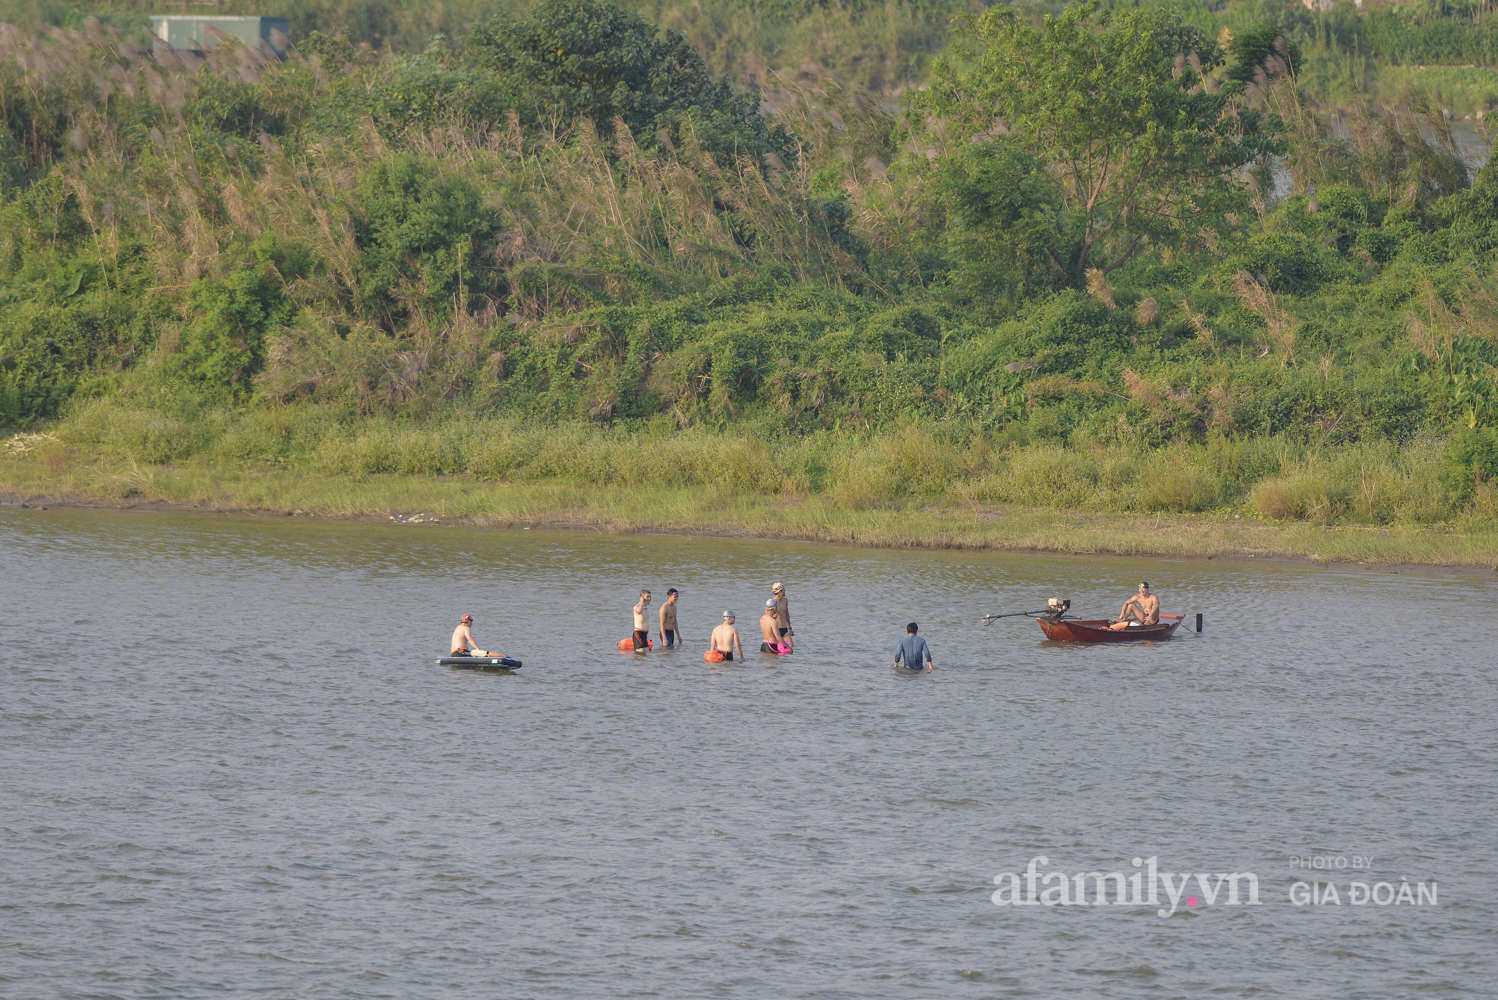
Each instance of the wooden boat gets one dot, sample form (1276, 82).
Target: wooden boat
(1071, 630)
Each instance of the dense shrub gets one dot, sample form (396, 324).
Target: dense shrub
(1289, 262)
(1471, 458)
(421, 239)
(570, 60)
(223, 346)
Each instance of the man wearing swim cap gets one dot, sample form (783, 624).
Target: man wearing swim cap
(768, 624)
(668, 618)
(726, 638)
(1145, 605)
(783, 615)
(463, 644)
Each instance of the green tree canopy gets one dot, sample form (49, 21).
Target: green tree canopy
(1002, 214)
(570, 59)
(1120, 108)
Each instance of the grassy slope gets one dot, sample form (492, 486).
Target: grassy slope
(919, 524)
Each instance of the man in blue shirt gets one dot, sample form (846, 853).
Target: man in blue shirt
(913, 651)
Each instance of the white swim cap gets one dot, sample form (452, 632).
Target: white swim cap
(729, 614)
(770, 605)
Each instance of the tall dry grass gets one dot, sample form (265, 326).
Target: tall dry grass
(578, 214)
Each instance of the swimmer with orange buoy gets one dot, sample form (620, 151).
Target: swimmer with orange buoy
(725, 641)
(640, 641)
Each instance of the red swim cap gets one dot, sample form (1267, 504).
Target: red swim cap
(468, 619)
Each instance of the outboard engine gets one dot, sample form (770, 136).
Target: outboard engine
(1056, 608)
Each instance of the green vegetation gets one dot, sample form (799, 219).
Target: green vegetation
(883, 47)
(51, 468)
(560, 250)
(1464, 91)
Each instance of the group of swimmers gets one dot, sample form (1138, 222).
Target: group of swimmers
(775, 630)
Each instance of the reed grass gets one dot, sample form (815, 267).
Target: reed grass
(932, 522)
(917, 484)
(1280, 478)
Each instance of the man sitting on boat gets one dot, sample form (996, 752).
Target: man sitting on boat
(1143, 608)
(463, 644)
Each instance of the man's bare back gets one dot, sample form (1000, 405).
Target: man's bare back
(726, 639)
(767, 628)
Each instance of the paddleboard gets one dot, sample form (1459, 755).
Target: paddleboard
(480, 662)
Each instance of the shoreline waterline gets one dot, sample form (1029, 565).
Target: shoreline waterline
(702, 512)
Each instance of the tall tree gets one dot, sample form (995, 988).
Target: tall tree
(570, 59)
(1123, 111)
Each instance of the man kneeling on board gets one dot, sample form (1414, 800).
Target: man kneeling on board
(463, 644)
(913, 650)
(1143, 607)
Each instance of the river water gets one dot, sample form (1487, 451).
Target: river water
(230, 767)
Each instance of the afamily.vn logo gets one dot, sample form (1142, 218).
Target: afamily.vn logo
(1148, 886)
(1143, 888)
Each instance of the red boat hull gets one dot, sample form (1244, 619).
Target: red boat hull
(1098, 631)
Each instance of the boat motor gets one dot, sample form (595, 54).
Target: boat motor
(1056, 609)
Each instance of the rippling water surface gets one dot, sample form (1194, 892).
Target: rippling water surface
(229, 766)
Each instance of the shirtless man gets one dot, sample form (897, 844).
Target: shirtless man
(668, 618)
(463, 644)
(1145, 605)
(642, 627)
(726, 638)
(783, 615)
(769, 629)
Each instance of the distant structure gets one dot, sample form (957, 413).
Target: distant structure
(197, 31)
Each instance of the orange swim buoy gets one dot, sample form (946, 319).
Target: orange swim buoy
(628, 645)
(712, 656)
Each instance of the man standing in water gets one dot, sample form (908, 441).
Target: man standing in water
(463, 644)
(783, 615)
(668, 618)
(642, 626)
(726, 638)
(1145, 604)
(913, 650)
(769, 631)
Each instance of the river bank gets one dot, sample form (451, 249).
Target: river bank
(708, 511)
